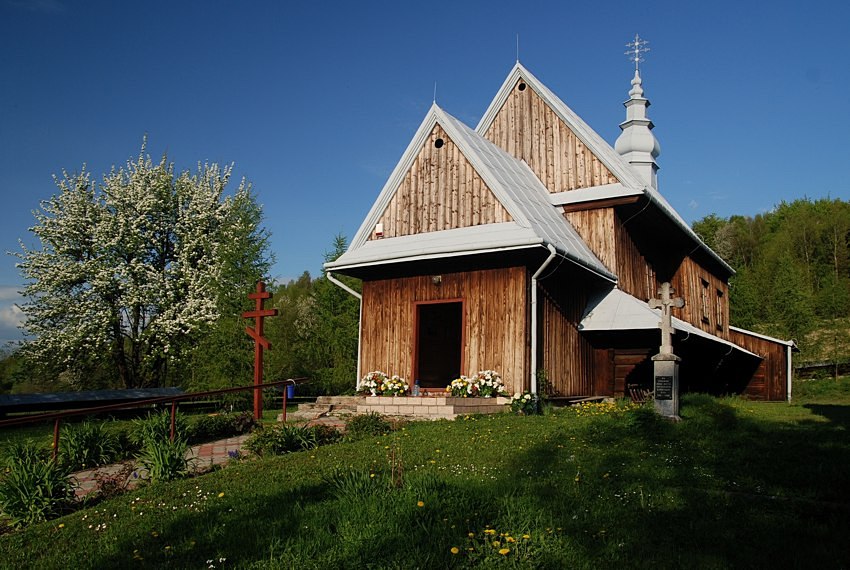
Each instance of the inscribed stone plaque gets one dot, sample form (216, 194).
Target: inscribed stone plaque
(663, 387)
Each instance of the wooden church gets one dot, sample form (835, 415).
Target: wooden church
(529, 245)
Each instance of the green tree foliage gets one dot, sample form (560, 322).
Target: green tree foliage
(316, 333)
(793, 265)
(132, 272)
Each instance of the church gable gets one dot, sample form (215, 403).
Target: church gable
(529, 129)
(440, 191)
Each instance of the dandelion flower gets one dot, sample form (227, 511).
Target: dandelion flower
(505, 551)
(220, 495)
(61, 525)
(526, 536)
(420, 504)
(471, 535)
(455, 550)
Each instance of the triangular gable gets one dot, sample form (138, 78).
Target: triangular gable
(598, 147)
(532, 123)
(440, 191)
(511, 182)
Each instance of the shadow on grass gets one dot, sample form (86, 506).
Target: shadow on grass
(839, 415)
(718, 489)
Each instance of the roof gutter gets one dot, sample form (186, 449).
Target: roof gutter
(552, 253)
(351, 291)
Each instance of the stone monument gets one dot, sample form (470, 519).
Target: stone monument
(665, 363)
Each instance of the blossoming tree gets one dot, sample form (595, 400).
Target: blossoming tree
(132, 270)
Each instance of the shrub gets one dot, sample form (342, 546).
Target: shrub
(33, 488)
(280, 439)
(367, 425)
(216, 426)
(112, 484)
(525, 403)
(157, 427)
(165, 460)
(87, 445)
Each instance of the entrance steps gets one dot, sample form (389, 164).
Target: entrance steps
(409, 407)
(324, 406)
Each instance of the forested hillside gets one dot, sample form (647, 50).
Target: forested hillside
(793, 272)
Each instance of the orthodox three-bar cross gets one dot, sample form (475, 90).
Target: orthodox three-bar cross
(260, 341)
(666, 304)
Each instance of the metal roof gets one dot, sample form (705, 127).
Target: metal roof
(512, 182)
(616, 310)
(604, 151)
(604, 192)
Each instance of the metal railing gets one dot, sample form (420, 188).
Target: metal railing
(57, 417)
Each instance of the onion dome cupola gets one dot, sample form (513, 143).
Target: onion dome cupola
(636, 143)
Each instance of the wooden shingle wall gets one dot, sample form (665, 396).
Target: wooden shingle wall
(441, 191)
(770, 380)
(706, 298)
(529, 129)
(567, 356)
(495, 319)
(604, 233)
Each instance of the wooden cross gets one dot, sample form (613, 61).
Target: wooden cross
(260, 341)
(666, 304)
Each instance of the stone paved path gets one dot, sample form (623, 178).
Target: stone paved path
(201, 457)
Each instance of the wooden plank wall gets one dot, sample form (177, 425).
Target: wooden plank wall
(441, 191)
(770, 381)
(635, 274)
(603, 231)
(530, 130)
(496, 321)
(596, 228)
(688, 284)
(567, 356)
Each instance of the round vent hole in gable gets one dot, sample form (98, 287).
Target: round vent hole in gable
(439, 143)
(522, 86)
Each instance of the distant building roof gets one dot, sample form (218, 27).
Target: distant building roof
(73, 400)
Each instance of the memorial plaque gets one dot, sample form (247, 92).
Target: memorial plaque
(663, 387)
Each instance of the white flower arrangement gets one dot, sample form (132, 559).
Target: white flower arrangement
(525, 403)
(485, 384)
(377, 383)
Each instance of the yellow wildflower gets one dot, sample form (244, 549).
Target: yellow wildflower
(420, 504)
(455, 550)
(220, 495)
(505, 551)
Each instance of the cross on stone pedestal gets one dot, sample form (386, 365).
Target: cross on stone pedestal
(666, 304)
(260, 341)
(665, 364)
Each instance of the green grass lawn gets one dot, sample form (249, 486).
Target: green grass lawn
(736, 484)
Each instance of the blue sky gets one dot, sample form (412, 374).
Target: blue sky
(315, 102)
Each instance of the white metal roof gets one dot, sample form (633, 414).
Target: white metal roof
(790, 343)
(512, 182)
(603, 192)
(617, 310)
(604, 151)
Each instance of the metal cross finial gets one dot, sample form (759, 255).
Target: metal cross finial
(636, 50)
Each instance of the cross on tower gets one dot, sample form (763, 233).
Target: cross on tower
(636, 50)
(666, 304)
(260, 341)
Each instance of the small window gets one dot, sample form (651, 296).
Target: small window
(719, 310)
(705, 311)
